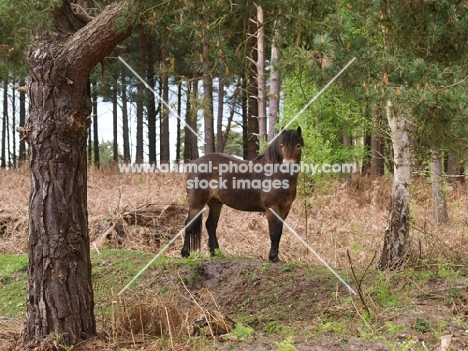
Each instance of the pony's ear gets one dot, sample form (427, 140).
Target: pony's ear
(299, 131)
(282, 130)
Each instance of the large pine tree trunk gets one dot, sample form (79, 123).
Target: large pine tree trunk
(397, 232)
(60, 294)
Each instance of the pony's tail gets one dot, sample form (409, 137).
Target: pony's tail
(195, 234)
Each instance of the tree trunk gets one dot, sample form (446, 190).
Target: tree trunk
(3, 162)
(347, 139)
(115, 123)
(151, 101)
(187, 132)
(139, 123)
(260, 64)
(60, 298)
(397, 232)
(193, 119)
(274, 83)
(22, 119)
(237, 92)
(252, 95)
(207, 100)
(245, 117)
(179, 113)
(452, 168)
(125, 127)
(164, 145)
(438, 196)
(377, 145)
(140, 100)
(366, 161)
(219, 122)
(8, 141)
(13, 128)
(90, 144)
(95, 127)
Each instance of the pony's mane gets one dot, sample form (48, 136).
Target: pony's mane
(272, 153)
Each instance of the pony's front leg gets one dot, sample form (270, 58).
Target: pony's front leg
(275, 226)
(212, 223)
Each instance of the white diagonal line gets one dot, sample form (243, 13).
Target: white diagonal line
(159, 253)
(315, 97)
(313, 251)
(161, 100)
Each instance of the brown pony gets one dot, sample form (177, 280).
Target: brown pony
(268, 181)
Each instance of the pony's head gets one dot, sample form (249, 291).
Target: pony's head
(290, 145)
(286, 148)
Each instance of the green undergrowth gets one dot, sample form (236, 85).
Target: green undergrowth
(285, 303)
(13, 279)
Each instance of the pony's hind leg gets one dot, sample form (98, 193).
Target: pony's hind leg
(192, 232)
(212, 223)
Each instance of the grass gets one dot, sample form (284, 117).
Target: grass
(13, 278)
(281, 302)
(401, 303)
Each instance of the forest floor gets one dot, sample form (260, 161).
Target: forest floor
(239, 297)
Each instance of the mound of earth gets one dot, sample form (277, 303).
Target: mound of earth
(267, 297)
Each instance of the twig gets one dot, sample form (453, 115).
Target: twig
(196, 303)
(359, 281)
(169, 326)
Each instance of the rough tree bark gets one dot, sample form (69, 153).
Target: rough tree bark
(397, 232)
(60, 298)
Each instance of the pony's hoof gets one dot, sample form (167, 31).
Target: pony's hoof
(185, 253)
(274, 259)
